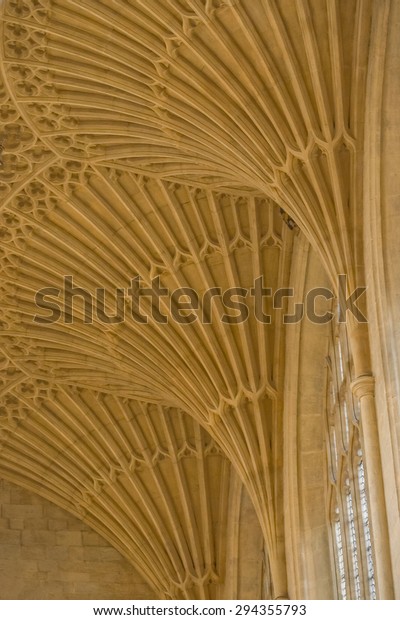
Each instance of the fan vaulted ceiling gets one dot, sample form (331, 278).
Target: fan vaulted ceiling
(160, 139)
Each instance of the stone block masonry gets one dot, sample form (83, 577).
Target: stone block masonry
(46, 553)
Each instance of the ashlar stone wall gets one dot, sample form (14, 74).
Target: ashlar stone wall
(46, 553)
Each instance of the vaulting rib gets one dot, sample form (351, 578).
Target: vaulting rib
(227, 376)
(147, 477)
(263, 94)
(151, 109)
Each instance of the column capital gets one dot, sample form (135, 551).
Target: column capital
(364, 385)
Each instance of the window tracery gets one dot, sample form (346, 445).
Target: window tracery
(347, 492)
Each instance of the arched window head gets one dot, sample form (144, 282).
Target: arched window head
(347, 491)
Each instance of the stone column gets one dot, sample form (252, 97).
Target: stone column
(364, 390)
(278, 574)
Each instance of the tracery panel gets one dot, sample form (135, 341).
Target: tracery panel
(348, 499)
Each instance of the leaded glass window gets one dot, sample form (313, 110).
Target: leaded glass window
(352, 547)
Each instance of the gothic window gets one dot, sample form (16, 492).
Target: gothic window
(347, 491)
(339, 555)
(366, 527)
(353, 544)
